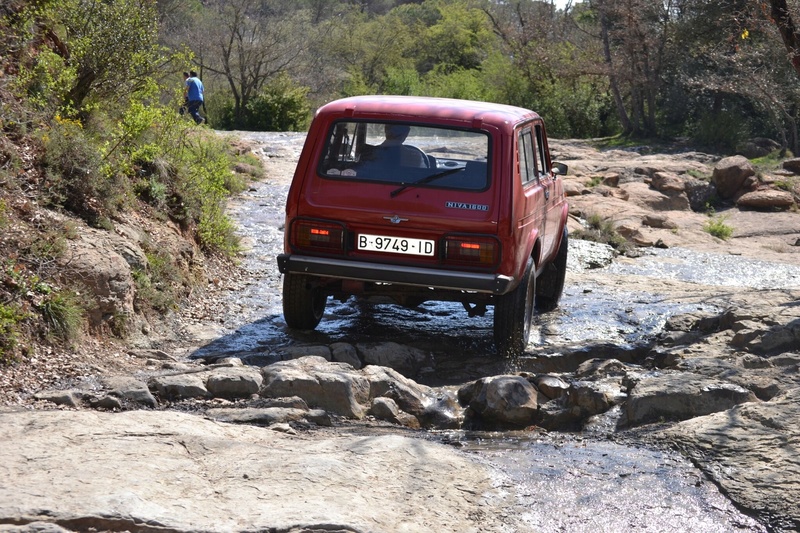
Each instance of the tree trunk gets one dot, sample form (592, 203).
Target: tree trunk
(791, 38)
(624, 119)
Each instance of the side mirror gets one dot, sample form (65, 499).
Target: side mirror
(560, 169)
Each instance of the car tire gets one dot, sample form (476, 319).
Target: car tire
(513, 315)
(550, 284)
(303, 303)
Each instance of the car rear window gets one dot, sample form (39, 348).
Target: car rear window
(405, 153)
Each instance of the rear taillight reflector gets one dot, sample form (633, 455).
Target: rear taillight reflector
(477, 251)
(313, 235)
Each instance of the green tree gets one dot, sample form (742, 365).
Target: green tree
(111, 45)
(247, 43)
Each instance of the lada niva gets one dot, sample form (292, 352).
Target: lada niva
(415, 199)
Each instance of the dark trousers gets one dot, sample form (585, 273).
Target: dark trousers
(194, 110)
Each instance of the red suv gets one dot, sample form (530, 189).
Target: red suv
(419, 199)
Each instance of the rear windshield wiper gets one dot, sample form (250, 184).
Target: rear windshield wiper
(427, 179)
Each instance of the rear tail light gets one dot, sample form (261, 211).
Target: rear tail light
(312, 235)
(472, 251)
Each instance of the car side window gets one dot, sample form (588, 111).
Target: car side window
(528, 169)
(543, 164)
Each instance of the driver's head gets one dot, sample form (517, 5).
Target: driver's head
(396, 133)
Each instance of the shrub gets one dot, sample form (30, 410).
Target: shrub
(281, 106)
(718, 228)
(600, 230)
(10, 318)
(157, 286)
(63, 315)
(75, 180)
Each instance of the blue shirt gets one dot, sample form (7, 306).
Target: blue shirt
(195, 92)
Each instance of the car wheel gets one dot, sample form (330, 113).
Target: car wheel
(303, 303)
(513, 315)
(550, 284)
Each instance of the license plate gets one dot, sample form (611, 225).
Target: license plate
(395, 245)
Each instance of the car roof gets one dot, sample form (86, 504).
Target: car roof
(428, 109)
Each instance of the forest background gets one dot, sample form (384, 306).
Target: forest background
(90, 92)
(715, 72)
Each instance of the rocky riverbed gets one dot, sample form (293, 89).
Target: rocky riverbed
(661, 395)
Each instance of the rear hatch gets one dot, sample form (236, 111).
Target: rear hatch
(407, 193)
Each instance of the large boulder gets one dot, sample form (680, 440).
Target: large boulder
(767, 199)
(730, 175)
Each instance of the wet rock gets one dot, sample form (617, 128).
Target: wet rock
(405, 359)
(410, 396)
(343, 352)
(386, 409)
(730, 174)
(605, 423)
(749, 452)
(681, 396)
(556, 416)
(570, 360)
(503, 400)
(236, 382)
(595, 397)
(335, 387)
(444, 413)
(594, 369)
(178, 387)
(553, 387)
(296, 352)
(590, 255)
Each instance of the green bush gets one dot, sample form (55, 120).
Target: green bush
(63, 315)
(76, 180)
(10, 319)
(279, 106)
(718, 228)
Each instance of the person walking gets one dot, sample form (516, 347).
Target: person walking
(194, 96)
